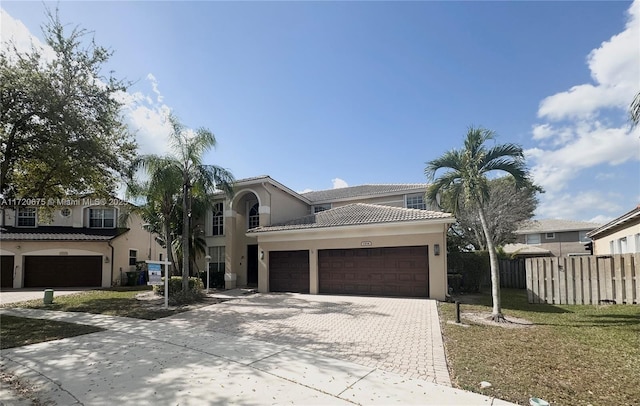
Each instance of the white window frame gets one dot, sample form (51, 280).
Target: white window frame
(529, 240)
(253, 220)
(218, 260)
(549, 236)
(27, 213)
(415, 201)
(217, 222)
(134, 256)
(101, 218)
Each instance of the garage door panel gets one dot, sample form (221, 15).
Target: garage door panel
(62, 271)
(289, 271)
(389, 271)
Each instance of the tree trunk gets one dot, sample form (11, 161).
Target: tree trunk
(496, 313)
(185, 236)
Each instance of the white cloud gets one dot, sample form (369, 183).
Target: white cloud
(339, 183)
(146, 118)
(570, 205)
(587, 126)
(601, 219)
(615, 69)
(14, 32)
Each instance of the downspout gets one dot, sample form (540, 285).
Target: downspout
(112, 251)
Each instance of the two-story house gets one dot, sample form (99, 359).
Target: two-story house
(78, 244)
(370, 239)
(556, 237)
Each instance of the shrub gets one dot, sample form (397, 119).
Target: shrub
(176, 295)
(474, 268)
(216, 279)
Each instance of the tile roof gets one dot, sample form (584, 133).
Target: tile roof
(524, 249)
(357, 214)
(555, 225)
(363, 190)
(54, 233)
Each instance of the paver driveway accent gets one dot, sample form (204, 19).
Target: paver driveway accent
(392, 334)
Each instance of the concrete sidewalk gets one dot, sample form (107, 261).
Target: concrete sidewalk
(138, 362)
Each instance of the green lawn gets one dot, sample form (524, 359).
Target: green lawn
(113, 302)
(573, 355)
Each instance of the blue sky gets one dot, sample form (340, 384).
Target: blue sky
(324, 94)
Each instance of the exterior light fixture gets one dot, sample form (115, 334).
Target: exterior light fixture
(261, 254)
(436, 249)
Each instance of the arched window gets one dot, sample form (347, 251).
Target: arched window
(254, 216)
(218, 219)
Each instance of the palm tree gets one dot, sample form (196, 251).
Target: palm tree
(174, 178)
(466, 179)
(634, 110)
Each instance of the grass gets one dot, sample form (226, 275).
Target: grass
(113, 302)
(19, 331)
(577, 355)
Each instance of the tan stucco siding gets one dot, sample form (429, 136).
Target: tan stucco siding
(602, 244)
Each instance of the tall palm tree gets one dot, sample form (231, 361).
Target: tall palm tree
(174, 178)
(634, 110)
(466, 178)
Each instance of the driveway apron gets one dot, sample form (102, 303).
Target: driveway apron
(262, 349)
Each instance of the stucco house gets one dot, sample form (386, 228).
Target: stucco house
(368, 239)
(558, 237)
(79, 244)
(619, 236)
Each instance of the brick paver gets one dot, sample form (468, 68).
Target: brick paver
(396, 335)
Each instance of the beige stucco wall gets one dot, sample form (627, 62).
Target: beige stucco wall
(602, 243)
(353, 237)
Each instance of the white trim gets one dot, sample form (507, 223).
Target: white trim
(5, 252)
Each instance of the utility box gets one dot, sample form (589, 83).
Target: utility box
(48, 296)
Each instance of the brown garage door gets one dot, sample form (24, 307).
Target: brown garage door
(6, 271)
(392, 271)
(289, 271)
(62, 271)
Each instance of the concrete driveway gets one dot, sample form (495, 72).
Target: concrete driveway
(261, 349)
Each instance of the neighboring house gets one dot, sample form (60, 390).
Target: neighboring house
(619, 236)
(558, 237)
(78, 245)
(370, 239)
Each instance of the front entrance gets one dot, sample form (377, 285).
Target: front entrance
(252, 265)
(6, 269)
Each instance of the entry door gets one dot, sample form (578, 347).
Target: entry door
(6, 269)
(252, 265)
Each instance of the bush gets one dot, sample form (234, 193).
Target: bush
(216, 279)
(176, 296)
(474, 270)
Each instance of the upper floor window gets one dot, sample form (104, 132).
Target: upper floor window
(102, 218)
(254, 216)
(321, 207)
(582, 235)
(218, 219)
(532, 238)
(550, 236)
(26, 217)
(416, 202)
